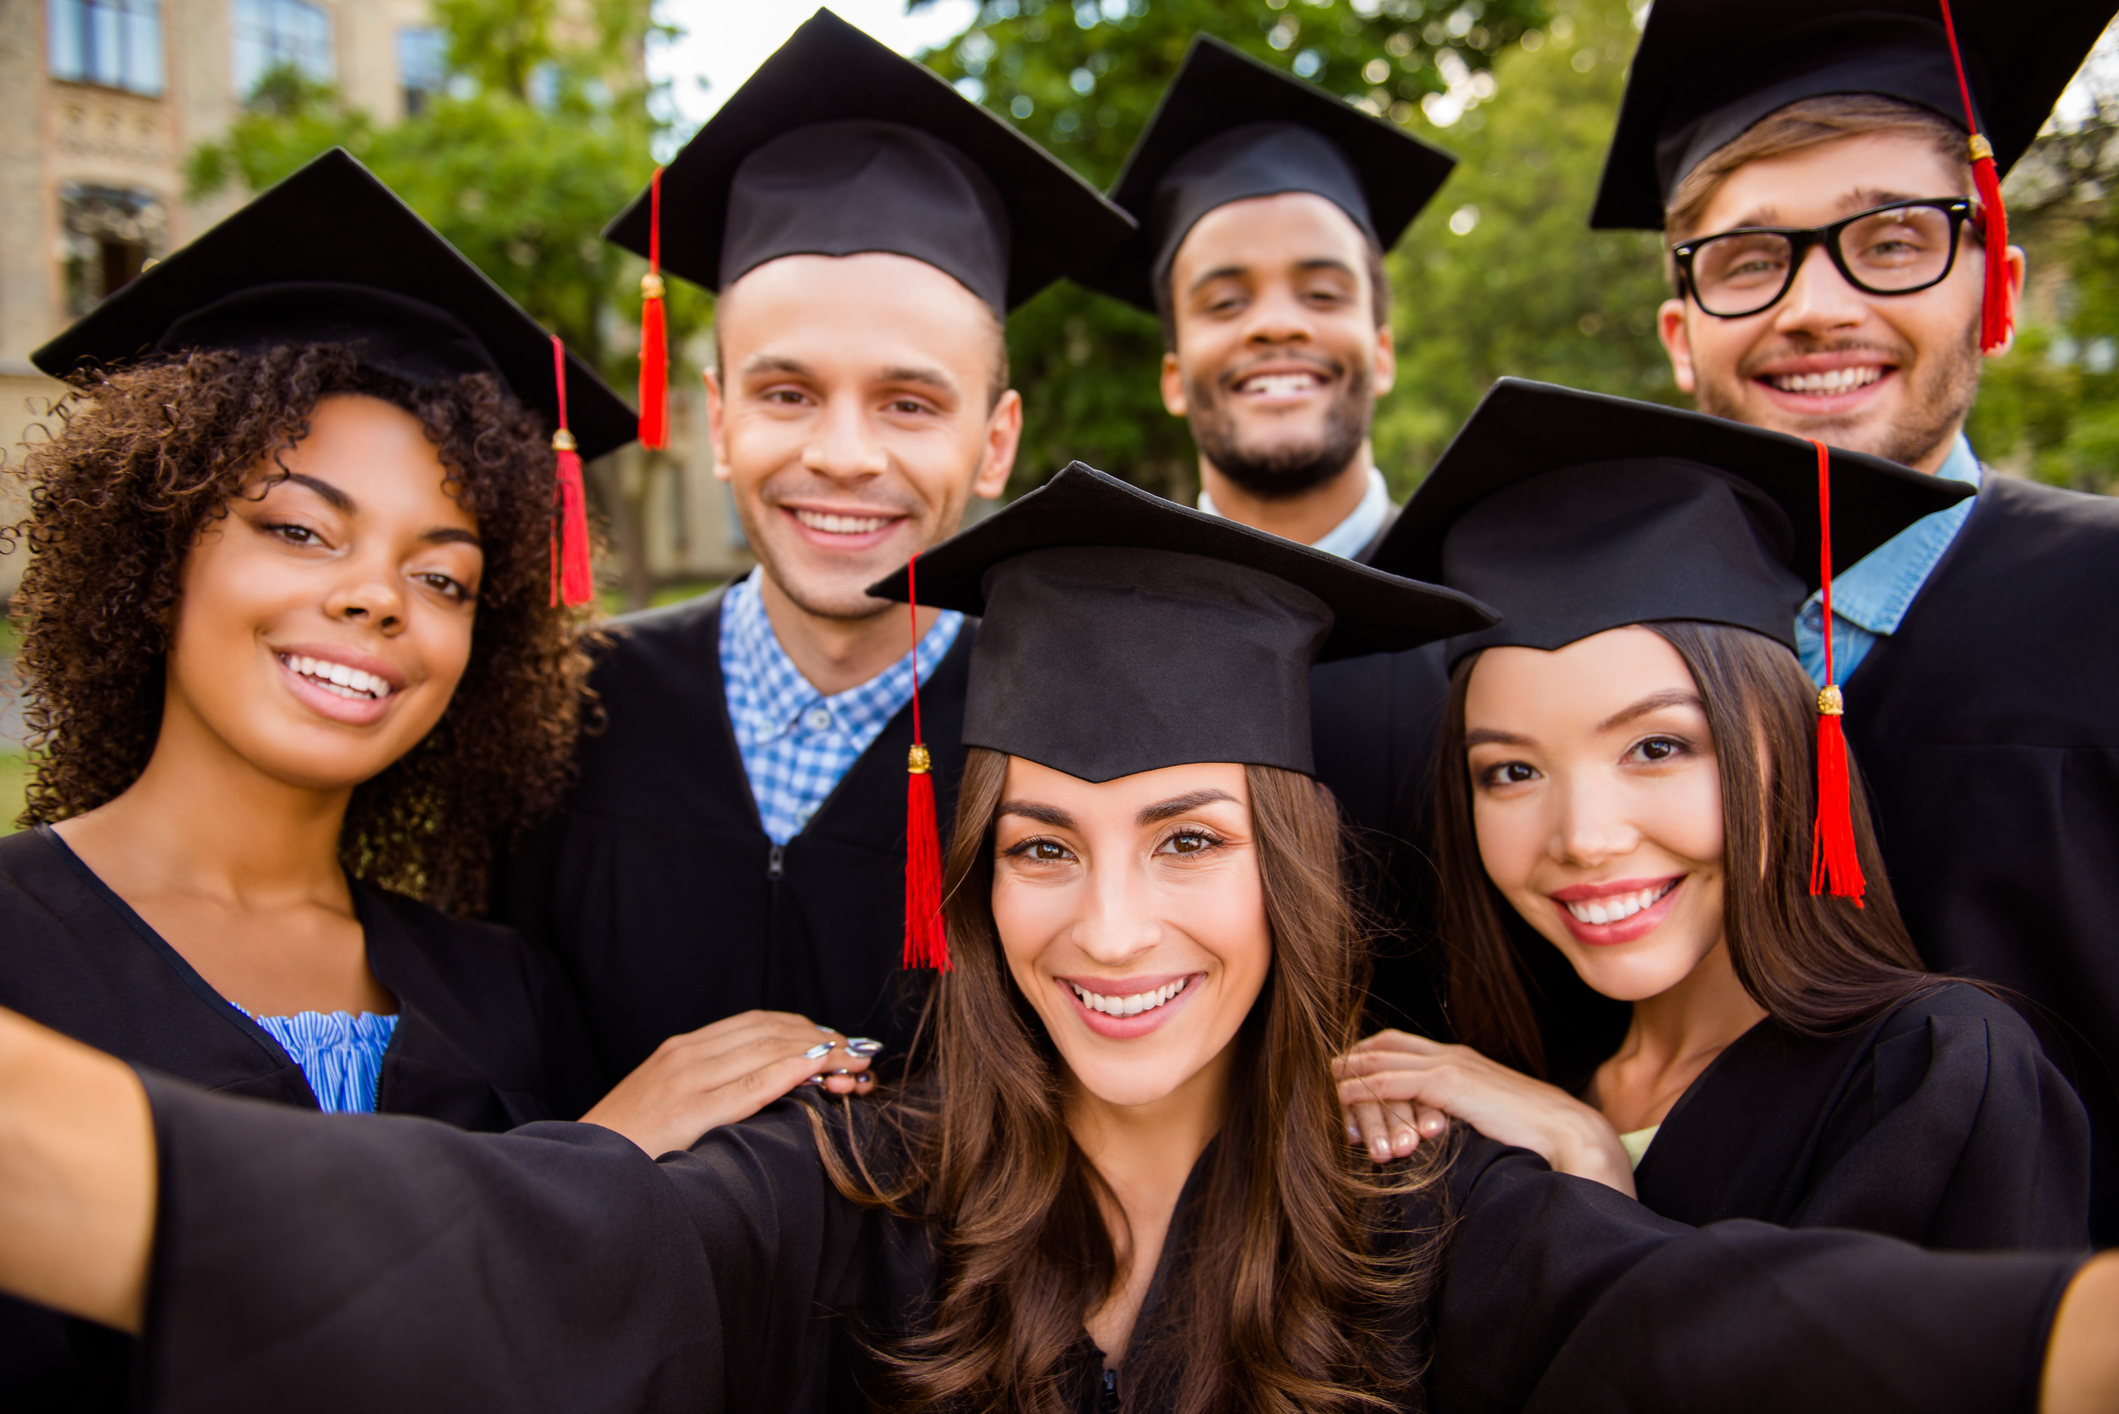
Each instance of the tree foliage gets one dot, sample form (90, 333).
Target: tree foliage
(1082, 78)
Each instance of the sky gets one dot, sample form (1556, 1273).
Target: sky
(727, 39)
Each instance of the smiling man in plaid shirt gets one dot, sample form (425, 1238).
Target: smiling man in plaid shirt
(733, 855)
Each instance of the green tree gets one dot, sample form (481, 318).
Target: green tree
(543, 134)
(1082, 78)
(1501, 274)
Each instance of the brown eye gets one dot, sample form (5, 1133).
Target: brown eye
(1189, 842)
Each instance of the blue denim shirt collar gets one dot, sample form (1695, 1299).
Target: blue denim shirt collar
(1874, 592)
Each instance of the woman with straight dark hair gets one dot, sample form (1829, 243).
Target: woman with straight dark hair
(1633, 774)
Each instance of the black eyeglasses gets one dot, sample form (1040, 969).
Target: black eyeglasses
(1887, 250)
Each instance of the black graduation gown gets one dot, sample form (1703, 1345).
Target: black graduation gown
(485, 1028)
(559, 1268)
(1374, 724)
(555, 1267)
(659, 890)
(1987, 728)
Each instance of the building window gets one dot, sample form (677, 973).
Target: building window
(422, 67)
(110, 237)
(117, 43)
(281, 34)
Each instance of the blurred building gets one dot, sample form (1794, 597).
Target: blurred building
(105, 100)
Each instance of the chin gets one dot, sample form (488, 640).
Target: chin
(1128, 1086)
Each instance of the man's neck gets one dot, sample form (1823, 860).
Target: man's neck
(839, 654)
(1305, 519)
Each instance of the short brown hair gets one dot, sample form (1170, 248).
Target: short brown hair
(1801, 125)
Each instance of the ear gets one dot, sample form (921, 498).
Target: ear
(1004, 437)
(2019, 272)
(1173, 383)
(1384, 370)
(716, 424)
(1677, 342)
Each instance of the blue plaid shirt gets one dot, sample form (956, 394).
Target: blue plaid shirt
(796, 742)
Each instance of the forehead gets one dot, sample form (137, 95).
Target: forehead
(378, 455)
(1267, 233)
(1580, 684)
(855, 312)
(1123, 796)
(1832, 179)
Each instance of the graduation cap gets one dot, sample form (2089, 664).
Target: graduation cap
(331, 255)
(1231, 128)
(1707, 70)
(1123, 633)
(1574, 513)
(837, 146)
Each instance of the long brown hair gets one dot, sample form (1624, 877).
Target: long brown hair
(1819, 966)
(1295, 1272)
(141, 459)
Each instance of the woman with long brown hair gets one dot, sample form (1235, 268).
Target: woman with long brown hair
(1629, 783)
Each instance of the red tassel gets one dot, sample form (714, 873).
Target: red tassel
(1997, 306)
(925, 943)
(654, 333)
(1834, 866)
(573, 580)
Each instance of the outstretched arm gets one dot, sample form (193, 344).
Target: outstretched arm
(77, 1176)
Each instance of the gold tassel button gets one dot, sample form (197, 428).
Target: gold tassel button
(1829, 701)
(563, 441)
(918, 761)
(651, 286)
(1979, 147)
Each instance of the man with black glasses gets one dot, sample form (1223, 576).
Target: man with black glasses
(1827, 179)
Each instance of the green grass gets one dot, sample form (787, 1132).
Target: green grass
(14, 778)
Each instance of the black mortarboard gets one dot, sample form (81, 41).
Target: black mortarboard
(1706, 70)
(837, 146)
(1123, 633)
(1230, 128)
(331, 255)
(1572, 513)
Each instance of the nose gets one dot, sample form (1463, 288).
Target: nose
(367, 596)
(842, 447)
(1116, 923)
(1820, 299)
(1278, 316)
(1590, 826)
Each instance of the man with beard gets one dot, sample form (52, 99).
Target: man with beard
(737, 836)
(1841, 263)
(1266, 206)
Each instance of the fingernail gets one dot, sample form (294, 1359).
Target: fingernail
(1353, 1132)
(1380, 1149)
(820, 1049)
(814, 1080)
(827, 1030)
(862, 1046)
(842, 1072)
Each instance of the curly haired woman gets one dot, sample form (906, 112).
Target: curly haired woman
(292, 667)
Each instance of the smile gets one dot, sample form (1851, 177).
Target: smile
(1132, 1005)
(832, 523)
(1279, 385)
(1825, 385)
(338, 679)
(1615, 908)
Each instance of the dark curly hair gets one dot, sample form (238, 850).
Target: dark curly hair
(145, 456)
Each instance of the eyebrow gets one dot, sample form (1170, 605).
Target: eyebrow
(1182, 805)
(1653, 702)
(775, 363)
(1860, 199)
(926, 376)
(345, 505)
(1240, 272)
(1051, 815)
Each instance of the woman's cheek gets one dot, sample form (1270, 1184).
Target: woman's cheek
(1507, 843)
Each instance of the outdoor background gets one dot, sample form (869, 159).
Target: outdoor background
(518, 127)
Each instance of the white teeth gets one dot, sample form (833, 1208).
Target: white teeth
(1275, 385)
(1838, 380)
(1132, 1005)
(338, 679)
(1614, 908)
(841, 525)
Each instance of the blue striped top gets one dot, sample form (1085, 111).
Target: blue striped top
(340, 1054)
